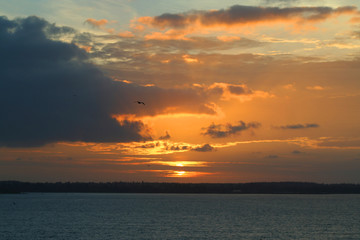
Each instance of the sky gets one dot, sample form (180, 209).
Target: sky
(233, 91)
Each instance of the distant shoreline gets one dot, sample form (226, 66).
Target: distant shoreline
(16, 187)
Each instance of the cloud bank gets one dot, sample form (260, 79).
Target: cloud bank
(50, 92)
(239, 14)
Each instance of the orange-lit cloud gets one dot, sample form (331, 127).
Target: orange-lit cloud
(101, 24)
(126, 34)
(86, 48)
(96, 23)
(316, 88)
(355, 20)
(189, 59)
(289, 87)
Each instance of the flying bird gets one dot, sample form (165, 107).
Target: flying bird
(138, 102)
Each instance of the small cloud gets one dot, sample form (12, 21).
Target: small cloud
(289, 87)
(299, 126)
(225, 130)
(204, 148)
(165, 137)
(126, 34)
(316, 88)
(96, 23)
(272, 156)
(296, 152)
(240, 92)
(190, 59)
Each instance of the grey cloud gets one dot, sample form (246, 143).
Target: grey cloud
(238, 90)
(50, 92)
(296, 152)
(247, 14)
(272, 156)
(220, 130)
(204, 148)
(300, 126)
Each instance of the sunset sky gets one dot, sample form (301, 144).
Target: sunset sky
(234, 91)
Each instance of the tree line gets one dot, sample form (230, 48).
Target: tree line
(164, 187)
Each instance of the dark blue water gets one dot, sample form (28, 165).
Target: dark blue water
(178, 216)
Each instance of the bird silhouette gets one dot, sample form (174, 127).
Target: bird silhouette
(139, 102)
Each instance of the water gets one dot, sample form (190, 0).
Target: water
(178, 216)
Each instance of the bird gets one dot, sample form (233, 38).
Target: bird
(139, 102)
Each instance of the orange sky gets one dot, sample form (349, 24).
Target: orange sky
(232, 93)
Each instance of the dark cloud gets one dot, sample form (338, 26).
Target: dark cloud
(239, 14)
(204, 148)
(239, 90)
(300, 126)
(296, 152)
(50, 92)
(221, 130)
(272, 156)
(165, 137)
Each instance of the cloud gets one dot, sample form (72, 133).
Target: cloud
(296, 152)
(165, 137)
(240, 15)
(96, 23)
(240, 92)
(50, 92)
(272, 156)
(299, 126)
(204, 148)
(100, 24)
(221, 131)
(315, 88)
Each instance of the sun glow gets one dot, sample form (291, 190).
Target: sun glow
(180, 163)
(184, 174)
